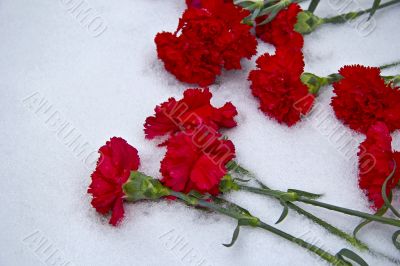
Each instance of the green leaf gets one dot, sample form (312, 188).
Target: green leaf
(380, 212)
(250, 5)
(241, 180)
(284, 212)
(347, 253)
(305, 194)
(396, 241)
(313, 5)
(234, 236)
(241, 222)
(235, 167)
(384, 195)
(375, 7)
(231, 206)
(198, 195)
(271, 15)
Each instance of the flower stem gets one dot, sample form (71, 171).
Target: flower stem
(364, 215)
(313, 5)
(257, 223)
(390, 65)
(353, 15)
(289, 195)
(330, 228)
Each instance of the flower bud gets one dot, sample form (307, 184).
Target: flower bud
(307, 22)
(140, 186)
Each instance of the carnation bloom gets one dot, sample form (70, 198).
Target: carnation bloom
(196, 162)
(376, 163)
(362, 99)
(207, 39)
(280, 31)
(189, 113)
(188, 61)
(117, 160)
(278, 86)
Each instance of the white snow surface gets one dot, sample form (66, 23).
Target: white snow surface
(107, 85)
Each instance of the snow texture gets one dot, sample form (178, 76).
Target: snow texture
(93, 70)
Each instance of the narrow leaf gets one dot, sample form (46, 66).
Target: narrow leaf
(231, 206)
(396, 240)
(234, 237)
(347, 253)
(284, 212)
(384, 194)
(380, 212)
(305, 193)
(241, 180)
(198, 195)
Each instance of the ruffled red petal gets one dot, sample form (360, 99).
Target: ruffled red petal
(194, 110)
(117, 160)
(376, 163)
(362, 99)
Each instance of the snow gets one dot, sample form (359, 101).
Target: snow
(103, 80)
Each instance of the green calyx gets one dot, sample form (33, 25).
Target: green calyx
(140, 186)
(307, 22)
(314, 82)
(228, 184)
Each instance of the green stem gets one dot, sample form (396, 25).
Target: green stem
(289, 195)
(353, 15)
(364, 215)
(330, 228)
(320, 252)
(315, 83)
(257, 223)
(313, 5)
(390, 65)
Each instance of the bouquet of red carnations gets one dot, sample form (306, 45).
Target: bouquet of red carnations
(199, 166)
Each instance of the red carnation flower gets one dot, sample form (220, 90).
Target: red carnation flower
(278, 86)
(196, 162)
(362, 98)
(117, 160)
(280, 31)
(188, 114)
(207, 39)
(376, 163)
(193, 3)
(188, 61)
